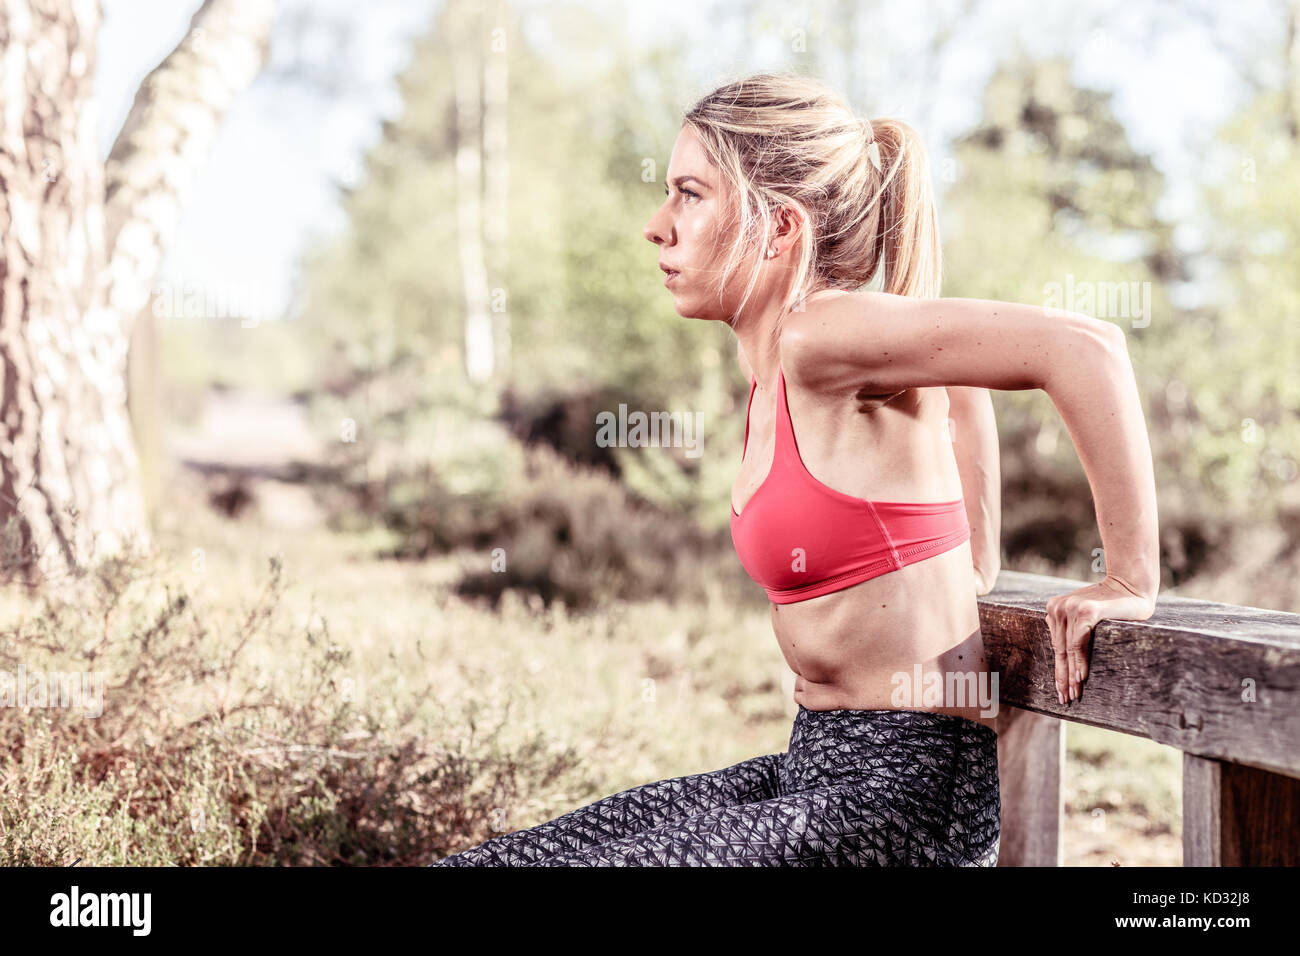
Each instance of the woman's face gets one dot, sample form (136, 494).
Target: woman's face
(691, 229)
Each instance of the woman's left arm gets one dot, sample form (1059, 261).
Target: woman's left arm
(889, 342)
(1099, 402)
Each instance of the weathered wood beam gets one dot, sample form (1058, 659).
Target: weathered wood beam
(1214, 680)
(1031, 759)
(1238, 816)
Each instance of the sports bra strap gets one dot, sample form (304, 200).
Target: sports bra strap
(752, 383)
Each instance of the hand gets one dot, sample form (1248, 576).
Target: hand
(1071, 618)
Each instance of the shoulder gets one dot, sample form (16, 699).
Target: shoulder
(817, 344)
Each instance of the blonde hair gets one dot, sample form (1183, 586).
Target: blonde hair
(788, 139)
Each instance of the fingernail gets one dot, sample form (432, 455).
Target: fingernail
(1061, 698)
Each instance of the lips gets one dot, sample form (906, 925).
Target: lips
(671, 273)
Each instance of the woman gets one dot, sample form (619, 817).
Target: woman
(871, 521)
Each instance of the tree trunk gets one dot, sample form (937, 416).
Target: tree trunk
(68, 486)
(69, 287)
(168, 134)
(144, 405)
(150, 175)
(496, 180)
(467, 75)
(1292, 77)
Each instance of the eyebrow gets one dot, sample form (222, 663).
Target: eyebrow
(678, 180)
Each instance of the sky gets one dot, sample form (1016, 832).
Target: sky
(269, 187)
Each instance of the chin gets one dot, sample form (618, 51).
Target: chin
(690, 309)
(682, 307)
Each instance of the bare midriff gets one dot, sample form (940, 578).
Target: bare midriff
(894, 642)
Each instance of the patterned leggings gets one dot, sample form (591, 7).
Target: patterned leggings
(855, 788)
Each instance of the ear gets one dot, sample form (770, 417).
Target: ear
(789, 225)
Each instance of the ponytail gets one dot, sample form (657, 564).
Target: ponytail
(907, 245)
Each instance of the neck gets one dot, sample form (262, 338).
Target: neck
(758, 326)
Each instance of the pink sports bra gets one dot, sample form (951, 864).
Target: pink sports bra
(800, 539)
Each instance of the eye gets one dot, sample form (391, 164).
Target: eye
(684, 191)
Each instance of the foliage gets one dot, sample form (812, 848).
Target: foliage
(582, 292)
(567, 533)
(229, 745)
(1076, 204)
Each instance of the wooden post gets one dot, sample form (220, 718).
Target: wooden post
(1031, 757)
(1234, 815)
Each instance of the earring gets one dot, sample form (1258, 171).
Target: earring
(771, 253)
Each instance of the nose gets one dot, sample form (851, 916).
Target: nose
(659, 228)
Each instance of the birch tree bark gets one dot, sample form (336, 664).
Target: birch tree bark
(173, 123)
(496, 185)
(467, 76)
(1293, 67)
(76, 263)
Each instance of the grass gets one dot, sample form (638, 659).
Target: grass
(283, 697)
(1123, 800)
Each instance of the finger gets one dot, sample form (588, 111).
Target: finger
(1079, 666)
(1067, 632)
(1079, 651)
(1075, 679)
(1055, 628)
(1081, 636)
(1060, 662)
(1069, 675)
(1078, 634)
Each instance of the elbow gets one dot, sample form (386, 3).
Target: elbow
(985, 580)
(1086, 344)
(1113, 337)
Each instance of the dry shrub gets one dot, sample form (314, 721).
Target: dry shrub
(565, 532)
(206, 753)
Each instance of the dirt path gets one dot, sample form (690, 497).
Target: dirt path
(246, 448)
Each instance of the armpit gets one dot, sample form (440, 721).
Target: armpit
(869, 401)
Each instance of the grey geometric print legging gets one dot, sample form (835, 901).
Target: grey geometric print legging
(855, 788)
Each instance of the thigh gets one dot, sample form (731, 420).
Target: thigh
(839, 825)
(627, 813)
(798, 829)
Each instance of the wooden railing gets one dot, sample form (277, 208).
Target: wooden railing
(1219, 682)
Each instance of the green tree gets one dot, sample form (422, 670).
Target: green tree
(1047, 201)
(574, 277)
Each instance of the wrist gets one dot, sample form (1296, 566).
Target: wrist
(1143, 584)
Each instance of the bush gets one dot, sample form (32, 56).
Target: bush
(565, 532)
(230, 745)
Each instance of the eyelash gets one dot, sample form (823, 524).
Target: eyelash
(685, 192)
